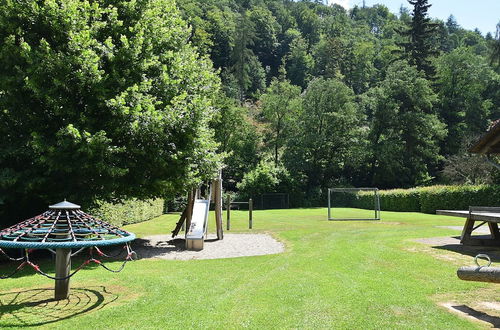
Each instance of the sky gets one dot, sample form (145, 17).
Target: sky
(470, 14)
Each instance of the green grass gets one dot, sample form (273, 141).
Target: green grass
(356, 274)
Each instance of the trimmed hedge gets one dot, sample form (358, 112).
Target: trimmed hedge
(430, 199)
(130, 211)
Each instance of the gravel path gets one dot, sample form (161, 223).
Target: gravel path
(232, 246)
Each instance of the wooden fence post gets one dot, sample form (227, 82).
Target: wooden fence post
(228, 213)
(217, 184)
(250, 209)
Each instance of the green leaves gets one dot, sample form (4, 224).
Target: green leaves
(102, 100)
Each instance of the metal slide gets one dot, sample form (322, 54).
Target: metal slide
(195, 236)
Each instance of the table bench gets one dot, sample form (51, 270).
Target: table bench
(485, 215)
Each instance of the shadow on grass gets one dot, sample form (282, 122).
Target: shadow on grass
(479, 315)
(36, 307)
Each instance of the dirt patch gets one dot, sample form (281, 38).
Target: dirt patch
(232, 246)
(480, 230)
(450, 248)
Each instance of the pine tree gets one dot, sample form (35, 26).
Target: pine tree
(417, 49)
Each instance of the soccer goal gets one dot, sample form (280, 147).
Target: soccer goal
(349, 197)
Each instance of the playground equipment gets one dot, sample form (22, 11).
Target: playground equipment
(60, 229)
(480, 273)
(349, 199)
(228, 212)
(195, 215)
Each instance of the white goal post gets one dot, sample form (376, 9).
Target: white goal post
(355, 191)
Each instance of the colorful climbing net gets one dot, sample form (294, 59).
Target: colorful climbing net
(65, 226)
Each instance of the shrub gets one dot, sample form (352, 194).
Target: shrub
(127, 212)
(430, 199)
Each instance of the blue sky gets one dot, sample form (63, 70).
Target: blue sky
(483, 14)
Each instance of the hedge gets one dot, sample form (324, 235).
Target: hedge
(130, 211)
(430, 199)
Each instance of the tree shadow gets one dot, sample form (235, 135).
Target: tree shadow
(479, 315)
(37, 307)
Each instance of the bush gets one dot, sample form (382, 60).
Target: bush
(130, 211)
(430, 199)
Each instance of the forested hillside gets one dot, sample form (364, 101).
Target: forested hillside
(316, 96)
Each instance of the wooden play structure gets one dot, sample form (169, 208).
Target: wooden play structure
(195, 216)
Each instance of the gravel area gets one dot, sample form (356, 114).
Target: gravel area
(232, 246)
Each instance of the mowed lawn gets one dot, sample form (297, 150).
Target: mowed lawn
(352, 275)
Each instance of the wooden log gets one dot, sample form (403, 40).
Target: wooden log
(63, 269)
(479, 274)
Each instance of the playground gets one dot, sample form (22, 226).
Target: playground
(396, 272)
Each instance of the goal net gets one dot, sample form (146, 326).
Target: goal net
(361, 198)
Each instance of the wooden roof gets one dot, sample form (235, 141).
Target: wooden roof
(489, 143)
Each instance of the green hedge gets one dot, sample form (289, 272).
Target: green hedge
(131, 211)
(430, 199)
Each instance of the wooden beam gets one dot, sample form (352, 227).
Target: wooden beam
(479, 274)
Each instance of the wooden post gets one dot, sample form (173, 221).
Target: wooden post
(250, 209)
(190, 205)
(63, 269)
(217, 185)
(228, 213)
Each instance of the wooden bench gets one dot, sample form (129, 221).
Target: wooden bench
(485, 215)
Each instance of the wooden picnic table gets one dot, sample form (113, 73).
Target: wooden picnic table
(485, 215)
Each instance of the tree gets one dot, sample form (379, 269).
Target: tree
(417, 48)
(463, 81)
(246, 68)
(405, 130)
(299, 63)
(326, 136)
(280, 104)
(100, 100)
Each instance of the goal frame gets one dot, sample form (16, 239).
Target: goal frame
(376, 203)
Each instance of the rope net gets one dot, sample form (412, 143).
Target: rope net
(63, 229)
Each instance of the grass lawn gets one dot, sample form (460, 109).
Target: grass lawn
(357, 274)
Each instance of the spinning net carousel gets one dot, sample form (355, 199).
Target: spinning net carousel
(62, 229)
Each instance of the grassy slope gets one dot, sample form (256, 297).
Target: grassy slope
(333, 274)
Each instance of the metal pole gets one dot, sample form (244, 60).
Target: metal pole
(250, 209)
(63, 269)
(329, 206)
(228, 213)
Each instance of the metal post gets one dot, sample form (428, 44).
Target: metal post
(63, 269)
(329, 212)
(250, 209)
(228, 211)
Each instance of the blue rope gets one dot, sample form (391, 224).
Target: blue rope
(64, 245)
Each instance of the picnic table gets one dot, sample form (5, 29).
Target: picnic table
(484, 215)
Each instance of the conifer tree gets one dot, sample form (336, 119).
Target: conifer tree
(417, 49)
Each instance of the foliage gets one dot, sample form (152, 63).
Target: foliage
(405, 130)
(432, 198)
(280, 105)
(465, 104)
(326, 135)
(263, 179)
(417, 48)
(128, 212)
(100, 100)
